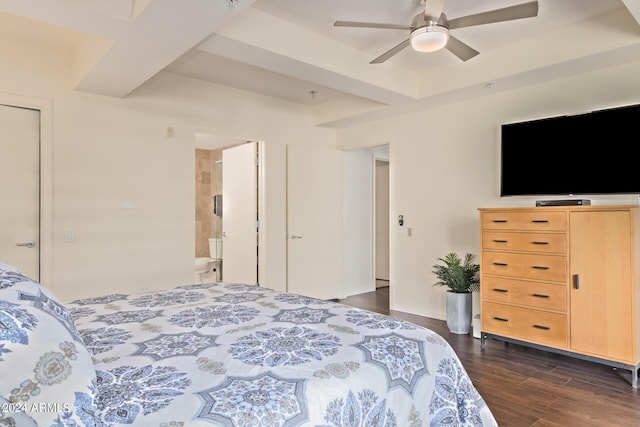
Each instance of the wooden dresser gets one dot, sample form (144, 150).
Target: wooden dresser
(563, 278)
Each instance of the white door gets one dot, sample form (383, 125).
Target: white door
(20, 189)
(382, 222)
(240, 214)
(314, 222)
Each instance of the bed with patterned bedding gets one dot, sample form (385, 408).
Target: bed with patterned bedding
(221, 355)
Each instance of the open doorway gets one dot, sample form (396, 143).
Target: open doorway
(208, 205)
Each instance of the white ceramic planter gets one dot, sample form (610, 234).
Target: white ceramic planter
(459, 312)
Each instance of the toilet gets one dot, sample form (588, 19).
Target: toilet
(208, 269)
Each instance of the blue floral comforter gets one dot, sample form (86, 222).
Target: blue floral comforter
(238, 355)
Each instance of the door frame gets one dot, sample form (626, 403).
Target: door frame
(260, 194)
(45, 107)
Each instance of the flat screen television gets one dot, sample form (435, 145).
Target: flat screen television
(591, 153)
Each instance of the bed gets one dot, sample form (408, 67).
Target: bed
(221, 354)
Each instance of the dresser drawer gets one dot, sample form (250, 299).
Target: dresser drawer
(521, 292)
(552, 268)
(534, 221)
(527, 324)
(530, 242)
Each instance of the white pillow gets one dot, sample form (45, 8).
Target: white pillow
(47, 372)
(10, 275)
(5, 266)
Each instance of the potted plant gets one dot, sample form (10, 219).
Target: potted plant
(461, 277)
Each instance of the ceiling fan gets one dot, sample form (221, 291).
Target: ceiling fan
(429, 30)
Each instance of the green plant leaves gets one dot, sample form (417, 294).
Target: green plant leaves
(458, 275)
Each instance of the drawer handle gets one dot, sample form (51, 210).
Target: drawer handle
(540, 296)
(500, 290)
(544, 328)
(499, 220)
(540, 243)
(500, 241)
(540, 267)
(540, 220)
(501, 264)
(502, 319)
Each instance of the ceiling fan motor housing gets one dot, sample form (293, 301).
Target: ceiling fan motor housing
(422, 20)
(429, 34)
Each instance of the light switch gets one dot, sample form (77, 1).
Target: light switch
(69, 235)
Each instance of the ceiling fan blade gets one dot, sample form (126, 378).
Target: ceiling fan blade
(371, 25)
(388, 54)
(433, 8)
(524, 10)
(460, 49)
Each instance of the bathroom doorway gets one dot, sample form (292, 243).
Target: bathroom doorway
(208, 206)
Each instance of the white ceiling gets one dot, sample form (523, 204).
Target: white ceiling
(289, 49)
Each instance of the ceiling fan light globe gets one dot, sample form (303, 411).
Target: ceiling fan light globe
(429, 38)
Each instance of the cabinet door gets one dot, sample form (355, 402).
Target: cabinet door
(601, 284)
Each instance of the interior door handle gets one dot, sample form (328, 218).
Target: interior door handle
(29, 244)
(293, 237)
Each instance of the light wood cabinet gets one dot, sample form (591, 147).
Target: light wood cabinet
(563, 279)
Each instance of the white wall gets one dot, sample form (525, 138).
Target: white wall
(114, 153)
(108, 151)
(440, 178)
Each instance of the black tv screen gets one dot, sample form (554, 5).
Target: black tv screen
(591, 153)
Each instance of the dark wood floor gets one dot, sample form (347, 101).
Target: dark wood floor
(528, 387)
